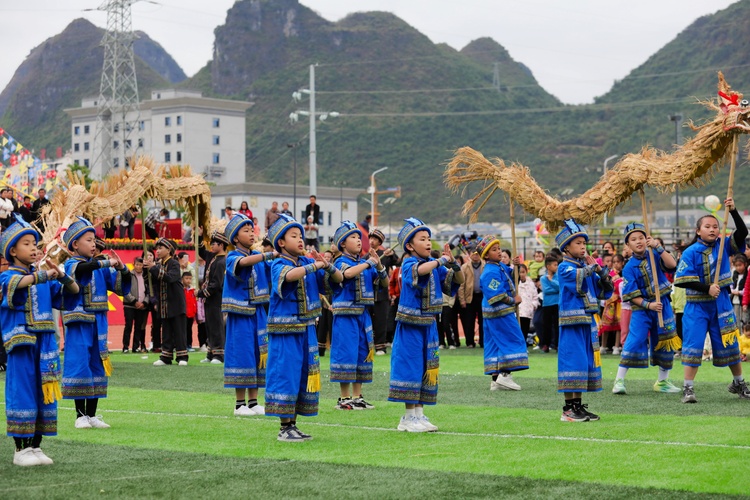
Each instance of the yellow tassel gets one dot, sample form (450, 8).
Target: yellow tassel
(107, 367)
(51, 392)
(730, 338)
(431, 377)
(673, 344)
(370, 356)
(263, 359)
(313, 383)
(597, 358)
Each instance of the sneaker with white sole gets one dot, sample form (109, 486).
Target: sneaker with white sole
(739, 388)
(411, 424)
(666, 386)
(43, 459)
(345, 404)
(159, 362)
(205, 360)
(380, 353)
(258, 410)
(182, 362)
(305, 436)
(573, 414)
(616, 351)
(244, 411)
(505, 382)
(427, 424)
(451, 347)
(290, 434)
(26, 458)
(83, 422)
(98, 423)
(688, 394)
(217, 362)
(360, 404)
(619, 387)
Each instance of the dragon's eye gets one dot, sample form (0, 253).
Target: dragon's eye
(744, 103)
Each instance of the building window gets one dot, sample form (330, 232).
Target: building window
(179, 119)
(167, 157)
(167, 139)
(76, 147)
(179, 156)
(216, 158)
(115, 145)
(179, 137)
(167, 121)
(116, 162)
(85, 146)
(76, 130)
(86, 162)
(216, 140)
(142, 125)
(117, 127)
(128, 144)
(216, 123)
(330, 218)
(140, 143)
(85, 129)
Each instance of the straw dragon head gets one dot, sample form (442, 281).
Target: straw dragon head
(736, 109)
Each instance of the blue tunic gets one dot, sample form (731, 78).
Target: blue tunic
(33, 356)
(578, 365)
(415, 355)
(504, 344)
(245, 291)
(702, 312)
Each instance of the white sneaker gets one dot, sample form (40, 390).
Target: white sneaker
(159, 362)
(451, 347)
(98, 423)
(258, 410)
(217, 362)
(505, 382)
(411, 424)
(379, 353)
(205, 360)
(83, 422)
(182, 363)
(616, 351)
(244, 411)
(602, 350)
(26, 458)
(43, 459)
(427, 424)
(204, 348)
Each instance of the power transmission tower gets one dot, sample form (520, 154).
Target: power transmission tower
(118, 113)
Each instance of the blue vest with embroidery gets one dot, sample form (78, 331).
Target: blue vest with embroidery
(498, 291)
(422, 296)
(638, 282)
(92, 297)
(698, 265)
(245, 288)
(579, 293)
(352, 295)
(295, 304)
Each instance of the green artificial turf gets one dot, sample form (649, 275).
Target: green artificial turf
(173, 435)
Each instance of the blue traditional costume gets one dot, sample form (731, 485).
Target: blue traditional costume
(505, 347)
(32, 382)
(703, 313)
(578, 363)
(352, 346)
(293, 373)
(87, 365)
(415, 356)
(644, 323)
(246, 289)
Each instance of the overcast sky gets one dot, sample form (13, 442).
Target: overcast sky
(575, 48)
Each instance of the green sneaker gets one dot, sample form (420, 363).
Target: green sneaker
(619, 387)
(666, 386)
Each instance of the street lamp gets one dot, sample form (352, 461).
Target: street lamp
(677, 119)
(294, 145)
(372, 191)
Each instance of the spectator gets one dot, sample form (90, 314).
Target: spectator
(366, 223)
(25, 210)
(285, 209)
(36, 207)
(6, 208)
(191, 308)
(245, 210)
(110, 228)
(311, 234)
(529, 301)
(136, 307)
(184, 260)
(256, 228)
(155, 216)
(470, 297)
(127, 222)
(272, 215)
(314, 209)
(228, 213)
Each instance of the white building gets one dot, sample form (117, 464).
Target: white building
(336, 203)
(175, 127)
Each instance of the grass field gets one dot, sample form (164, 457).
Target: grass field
(173, 436)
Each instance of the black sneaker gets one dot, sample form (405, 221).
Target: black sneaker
(360, 404)
(305, 437)
(344, 404)
(573, 414)
(582, 408)
(739, 388)
(688, 394)
(290, 434)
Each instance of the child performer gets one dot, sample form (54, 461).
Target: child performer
(582, 283)
(504, 342)
(352, 347)
(645, 331)
(709, 308)
(212, 294)
(293, 375)
(550, 311)
(414, 359)
(246, 290)
(170, 302)
(86, 364)
(32, 382)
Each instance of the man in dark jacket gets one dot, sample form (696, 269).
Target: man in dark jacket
(211, 293)
(382, 302)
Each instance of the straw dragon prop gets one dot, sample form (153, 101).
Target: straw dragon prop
(686, 166)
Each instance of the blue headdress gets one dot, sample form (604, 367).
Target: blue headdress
(279, 228)
(634, 227)
(15, 232)
(235, 224)
(75, 231)
(346, 229)
(570, 231)
(412, 227)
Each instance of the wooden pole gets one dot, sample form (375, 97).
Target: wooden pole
(730, 194)
(143, 239)
(514, 250)
(654, 274)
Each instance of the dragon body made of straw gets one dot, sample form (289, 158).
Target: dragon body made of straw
(688, 165)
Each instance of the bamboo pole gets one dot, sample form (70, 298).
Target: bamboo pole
(730, 194)
(514, 251)
(196, 241)
(143, 239)
(654, 274)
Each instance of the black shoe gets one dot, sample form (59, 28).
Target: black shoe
(739, 388)
(573, 414)
(582, 408)
(688, 394)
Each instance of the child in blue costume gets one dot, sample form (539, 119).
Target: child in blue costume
(709, 307)
(415, 356)
(246, 290)
(32, 381)
(638, 288)
(505, 349)
(86, 365)
(293, 373)
(582, 284)
(352, 346)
